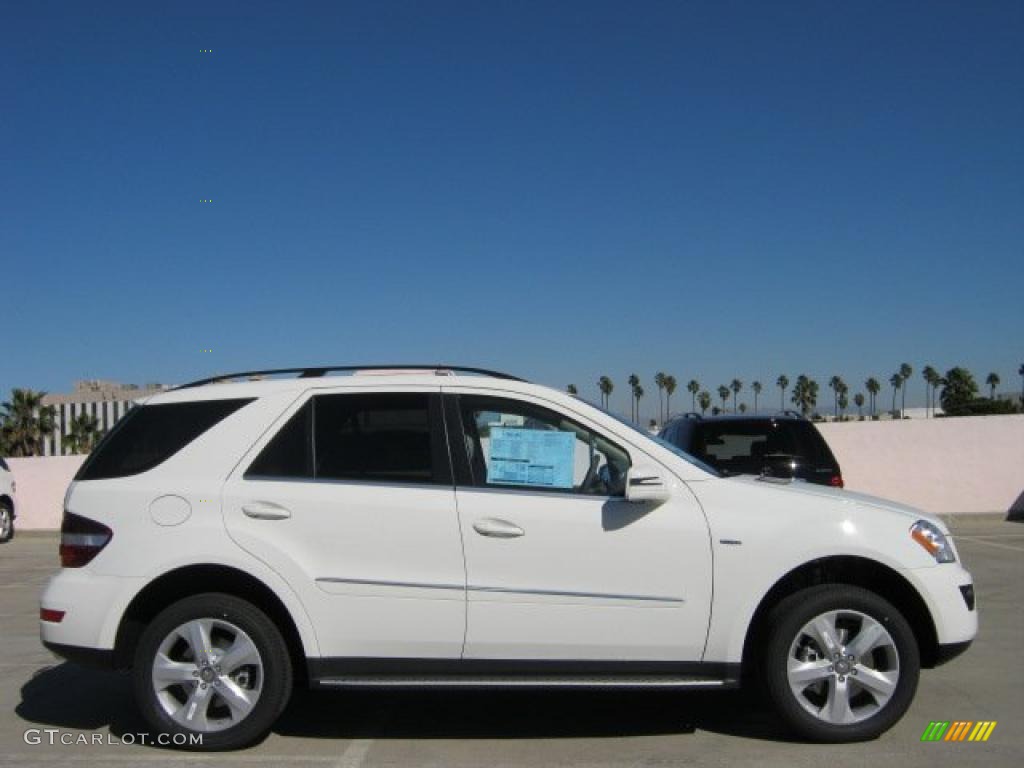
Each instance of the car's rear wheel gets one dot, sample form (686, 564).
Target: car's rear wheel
(841, 663)
(213, 672)
(6, 522)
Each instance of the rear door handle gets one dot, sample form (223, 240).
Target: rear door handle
(497, 529)
(265, 510)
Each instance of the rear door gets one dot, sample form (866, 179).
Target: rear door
(350, 498)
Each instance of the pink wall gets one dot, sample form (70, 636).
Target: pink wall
(41, 483)
(947, 466)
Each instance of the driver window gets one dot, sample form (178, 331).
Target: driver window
(515, 444)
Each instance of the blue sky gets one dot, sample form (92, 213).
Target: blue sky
(562, 190)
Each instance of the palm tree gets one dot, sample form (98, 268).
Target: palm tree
(83, 433)
(782, 382)
(571, 389)
(993, 381)
(638, 392)
(905, 373)
(723, 392)
(26, 421)
(670, 388)
(606, 385)
(1020, 372)
(836, 384)
(736, 385)
(693, 387)
(805, 394)
(756, 387)
(896, 381)
(858, 400)
(704, 398)
(634, 382)
(843, 402)
(935, 381)
(659, 382)
(873, 387)
(929, 375)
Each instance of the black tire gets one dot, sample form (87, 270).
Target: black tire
(274, 656)
(786, 621)
(7, 522)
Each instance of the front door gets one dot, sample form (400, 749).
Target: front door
(559, 566)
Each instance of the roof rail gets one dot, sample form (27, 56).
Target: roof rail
(789, 412)
(310, 372)
(686, 415)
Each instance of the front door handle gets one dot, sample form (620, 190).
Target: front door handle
(497, 529)
(265, 510)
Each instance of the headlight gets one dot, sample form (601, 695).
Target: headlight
(933, 540)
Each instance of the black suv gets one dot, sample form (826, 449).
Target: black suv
(784, 445)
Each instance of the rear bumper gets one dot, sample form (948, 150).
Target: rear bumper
(97, 658)
(93, 605)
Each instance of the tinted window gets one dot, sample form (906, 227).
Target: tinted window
(740, 446)
(151, 434)
(381, 438)
(811, 445)
(373, 437)
(513, 443)
(289, 453)
(3, 465)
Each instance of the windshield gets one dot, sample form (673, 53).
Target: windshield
(654, 438)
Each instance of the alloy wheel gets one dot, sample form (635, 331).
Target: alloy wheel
(207, 674)
(843, 667)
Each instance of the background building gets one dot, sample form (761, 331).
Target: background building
(107, 401)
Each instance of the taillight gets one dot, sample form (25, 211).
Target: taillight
(836, 481)
(81, 539)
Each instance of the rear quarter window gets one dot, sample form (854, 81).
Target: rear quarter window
(151, 434)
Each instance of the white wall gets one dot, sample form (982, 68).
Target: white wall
(946, 466)
(42, 481)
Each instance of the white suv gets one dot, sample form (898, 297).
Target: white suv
(7, 511)
(458, 527)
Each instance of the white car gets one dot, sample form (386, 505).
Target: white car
(7, 509)
(457, 527)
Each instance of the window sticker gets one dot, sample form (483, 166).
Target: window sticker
(538, 457)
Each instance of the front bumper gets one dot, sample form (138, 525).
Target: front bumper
(954, 615)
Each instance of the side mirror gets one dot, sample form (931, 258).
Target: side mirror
(645, 483)
(780, 468)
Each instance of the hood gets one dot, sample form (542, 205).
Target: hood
(843, 496)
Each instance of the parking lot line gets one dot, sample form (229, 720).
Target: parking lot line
(980, 540)
(355, 753)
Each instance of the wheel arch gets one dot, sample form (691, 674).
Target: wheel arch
(855, 571)
(195, 579)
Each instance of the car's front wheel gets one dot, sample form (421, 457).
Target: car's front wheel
(841, 663)
(212, 672)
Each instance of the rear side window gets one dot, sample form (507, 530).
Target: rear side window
(3, 465)
(377, 438)
(811, 445)
(151, 434)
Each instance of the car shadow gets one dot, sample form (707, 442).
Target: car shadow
(68, 696)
